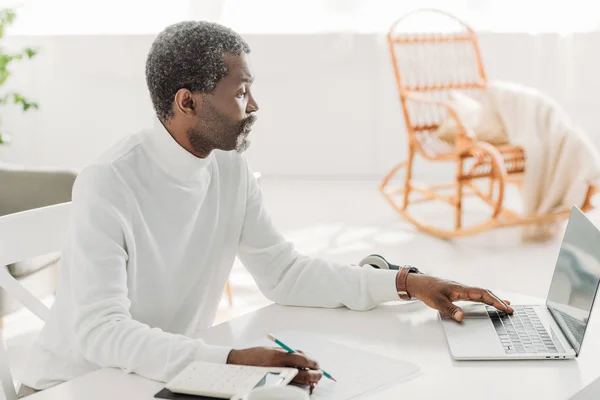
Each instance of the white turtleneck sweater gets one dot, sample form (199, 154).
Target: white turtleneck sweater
(154, 232)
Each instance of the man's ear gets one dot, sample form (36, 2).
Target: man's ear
(187, 103)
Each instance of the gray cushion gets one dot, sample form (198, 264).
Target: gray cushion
(23, 268)
(25, 188)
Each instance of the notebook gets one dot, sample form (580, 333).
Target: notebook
(357, 371)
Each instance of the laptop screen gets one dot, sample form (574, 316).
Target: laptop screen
(576, 277)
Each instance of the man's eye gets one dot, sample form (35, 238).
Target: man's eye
(241, 95)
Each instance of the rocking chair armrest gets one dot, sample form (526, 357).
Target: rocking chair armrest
(593, 189)
(498, 170)
(465, 135)
(497, 161)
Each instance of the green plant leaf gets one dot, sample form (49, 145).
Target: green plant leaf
(30, 52)
(18, 99)
(5, 138)
(4, 74)
(7, 17)
(5, 59)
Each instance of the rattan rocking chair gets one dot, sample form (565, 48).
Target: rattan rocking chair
(427, 66)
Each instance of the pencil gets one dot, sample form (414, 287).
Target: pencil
(290, 350)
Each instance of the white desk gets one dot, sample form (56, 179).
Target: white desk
(410, 332)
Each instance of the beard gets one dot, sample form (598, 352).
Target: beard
(220, 132)
(242, 143)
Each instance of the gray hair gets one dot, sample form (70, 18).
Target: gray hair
(188, 55)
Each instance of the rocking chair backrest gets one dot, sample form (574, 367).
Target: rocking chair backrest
(433, 53)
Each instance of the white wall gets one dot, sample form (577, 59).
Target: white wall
(328, 102)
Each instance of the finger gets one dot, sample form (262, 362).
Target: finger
(481, 296)
(449, 309)
(308, 377)
(508, 308)
(491, 299)
(304, 354)
(299, 361)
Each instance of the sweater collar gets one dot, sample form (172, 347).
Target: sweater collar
(174, 159)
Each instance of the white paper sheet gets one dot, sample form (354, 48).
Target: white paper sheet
(358, 372)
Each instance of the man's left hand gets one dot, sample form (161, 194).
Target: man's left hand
(440, 295)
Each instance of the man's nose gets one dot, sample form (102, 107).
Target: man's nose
(252, 105)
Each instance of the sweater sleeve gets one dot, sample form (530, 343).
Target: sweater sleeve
(96, 258)
(288, 278)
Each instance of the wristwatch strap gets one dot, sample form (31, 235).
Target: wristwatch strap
(401, 281)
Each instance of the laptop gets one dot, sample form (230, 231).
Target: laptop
(554, 330)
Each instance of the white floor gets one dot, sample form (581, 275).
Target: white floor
(346, 220)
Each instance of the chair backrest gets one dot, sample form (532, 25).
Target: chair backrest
(433, 52)
(25, 235)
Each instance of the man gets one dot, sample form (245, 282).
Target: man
(158, 220)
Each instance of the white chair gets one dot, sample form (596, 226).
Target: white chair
(26, 188)
(25, 235)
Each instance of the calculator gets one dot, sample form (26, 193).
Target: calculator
(224, 381)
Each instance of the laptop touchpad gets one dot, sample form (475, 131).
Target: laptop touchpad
(474, 310)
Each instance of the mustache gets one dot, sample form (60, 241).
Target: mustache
(247, 123)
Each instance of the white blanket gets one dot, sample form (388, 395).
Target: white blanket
(560, 159)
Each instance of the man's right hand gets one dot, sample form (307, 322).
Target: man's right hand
(309, 374)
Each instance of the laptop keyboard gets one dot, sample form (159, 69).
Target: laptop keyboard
(522, 332)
